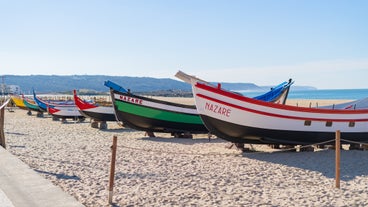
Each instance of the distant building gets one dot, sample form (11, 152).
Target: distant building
(13, 89)
(2, 89)
(9, 89)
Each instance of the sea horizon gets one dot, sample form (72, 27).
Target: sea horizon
(346, 94)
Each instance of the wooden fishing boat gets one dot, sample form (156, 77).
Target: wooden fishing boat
(352, 105)
(59, 109)
(99, 114)
(18, 102)
(44, 104)
(152, 115)
(66, 112)
(240, 119)
(32, 106)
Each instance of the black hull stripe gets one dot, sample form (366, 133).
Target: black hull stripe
(243, 134)
(98, 116)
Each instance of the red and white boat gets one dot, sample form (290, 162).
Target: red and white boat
(94, 111)
(240, 119)
(66, 112)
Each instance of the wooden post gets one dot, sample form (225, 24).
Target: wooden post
(112, 168)
(2, 134)
(337, 151)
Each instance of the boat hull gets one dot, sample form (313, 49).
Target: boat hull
(165, 117)
(93, 111)
(98, 116)
(43, 105)
(65, 112)
(243, 120)
(253, 135)
(18, 102)
(32, 107)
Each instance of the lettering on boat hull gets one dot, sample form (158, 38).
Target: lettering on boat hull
(221, 110)
(131, 99)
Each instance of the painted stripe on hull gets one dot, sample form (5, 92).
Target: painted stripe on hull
(157, 104)
(156, 125)
(261, 106)
(32, 107)
(243, 134)
(158, 114)
(98, 116)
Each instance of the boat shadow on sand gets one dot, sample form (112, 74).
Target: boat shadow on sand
(353, 162)
(184, 141)
(117, 130)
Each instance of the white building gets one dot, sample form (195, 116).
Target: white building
(14, 89)
(9, 89)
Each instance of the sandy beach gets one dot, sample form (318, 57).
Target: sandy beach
(166, 171)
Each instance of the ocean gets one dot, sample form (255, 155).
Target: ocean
(347, 94)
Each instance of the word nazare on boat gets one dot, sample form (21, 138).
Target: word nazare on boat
(129, 99)
(217, 109)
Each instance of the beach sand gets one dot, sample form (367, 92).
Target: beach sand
(166, 171)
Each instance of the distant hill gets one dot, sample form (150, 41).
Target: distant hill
(54, 83)
(57, 83)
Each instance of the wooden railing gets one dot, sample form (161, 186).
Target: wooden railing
(2, 118)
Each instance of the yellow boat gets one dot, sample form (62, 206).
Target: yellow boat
(18, 101)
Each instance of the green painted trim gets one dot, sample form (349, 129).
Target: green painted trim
(30, 106)
(157, 113)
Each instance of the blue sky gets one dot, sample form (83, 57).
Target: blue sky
(321, 43)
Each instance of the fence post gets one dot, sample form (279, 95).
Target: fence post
(2, 134)
(337, 152)
(112, 168)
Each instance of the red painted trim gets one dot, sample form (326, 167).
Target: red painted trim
(277, 106)
(52, 110)
(82, 105)
(278, 115)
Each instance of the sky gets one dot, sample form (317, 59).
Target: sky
(320, 43)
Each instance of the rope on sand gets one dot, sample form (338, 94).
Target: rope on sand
(288, 149)
(311, 145)
(229, 154)
(252, 151)
(354, 142)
